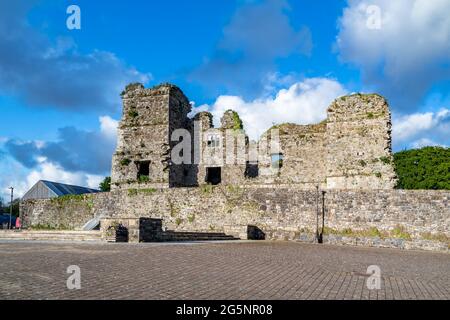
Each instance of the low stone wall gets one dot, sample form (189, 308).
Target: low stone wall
(377, 242)
(281, 213)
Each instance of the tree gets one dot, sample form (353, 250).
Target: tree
(105, 185)
(426, 168)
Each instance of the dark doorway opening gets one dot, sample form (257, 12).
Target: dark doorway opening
(214, 175)
(251, 170)
(143, 170)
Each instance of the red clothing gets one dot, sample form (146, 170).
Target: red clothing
(18, 224)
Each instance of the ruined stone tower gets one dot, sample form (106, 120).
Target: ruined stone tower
(142, 158)
(359, 153)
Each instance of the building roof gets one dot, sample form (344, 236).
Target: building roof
(61, 189)
(44, 189)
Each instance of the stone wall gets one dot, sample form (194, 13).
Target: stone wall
(280, 212)
(351, 149)
(358, 135)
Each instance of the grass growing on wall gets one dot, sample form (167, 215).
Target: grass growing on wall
(398, 232)
(48, 227)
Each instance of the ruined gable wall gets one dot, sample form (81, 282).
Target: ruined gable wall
(359, 143)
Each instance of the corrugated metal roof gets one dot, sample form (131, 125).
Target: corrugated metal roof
(62, 189)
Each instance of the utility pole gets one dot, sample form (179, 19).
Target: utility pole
(317, 213)
(11, 207)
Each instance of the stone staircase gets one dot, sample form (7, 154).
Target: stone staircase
(50, 235)
(194, 236)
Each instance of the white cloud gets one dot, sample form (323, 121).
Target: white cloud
(422, 129)
(108, 127)
(303, 103)
(411, 125)
(425, 142)
(407, 54)
(16, 174)
(53, 172)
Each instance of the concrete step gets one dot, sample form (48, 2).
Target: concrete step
(56, 235)
(195, 236)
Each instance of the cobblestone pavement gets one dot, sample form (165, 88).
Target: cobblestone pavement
(233, 270)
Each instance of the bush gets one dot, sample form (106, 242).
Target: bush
(426, 168)
(105, 185)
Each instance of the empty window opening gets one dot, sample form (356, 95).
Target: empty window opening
(277, 160)
(213, 141)
(143, 170)
(251, 169)
(213, 175)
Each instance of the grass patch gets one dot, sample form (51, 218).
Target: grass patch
(362, 163)
(399, 232)
(125, 162)
(207, 189)
(385, 160)
(48, 227)
(191, 218)
(441, 237)
(143, 179)
(132, 192)
(133, 114)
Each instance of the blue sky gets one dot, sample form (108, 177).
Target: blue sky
(270, 60)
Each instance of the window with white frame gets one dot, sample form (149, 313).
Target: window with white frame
(213, 140)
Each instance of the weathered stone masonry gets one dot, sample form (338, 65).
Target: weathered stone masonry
(348, 156)
(351, 149)
(281, 213)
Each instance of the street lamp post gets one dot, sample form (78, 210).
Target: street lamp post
(11, 207)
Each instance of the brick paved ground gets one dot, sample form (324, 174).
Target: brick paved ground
(244, 270)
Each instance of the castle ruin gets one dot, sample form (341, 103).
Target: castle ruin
(332, 181)
(351, 149)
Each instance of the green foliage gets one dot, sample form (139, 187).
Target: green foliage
(69, 197)
(237, 122)
(401, 233)
(132, 192)
(125, 162)
(5, 209)
(135, 192)
(191, 218)
(143, 179)
(178, 221)
(105, 185)
(133, 113)
(48, 227)
(441, 237)
(132, 86)
(426, 168)
(362, 163)
(385, 160)
(207, 189)
(148, 191)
